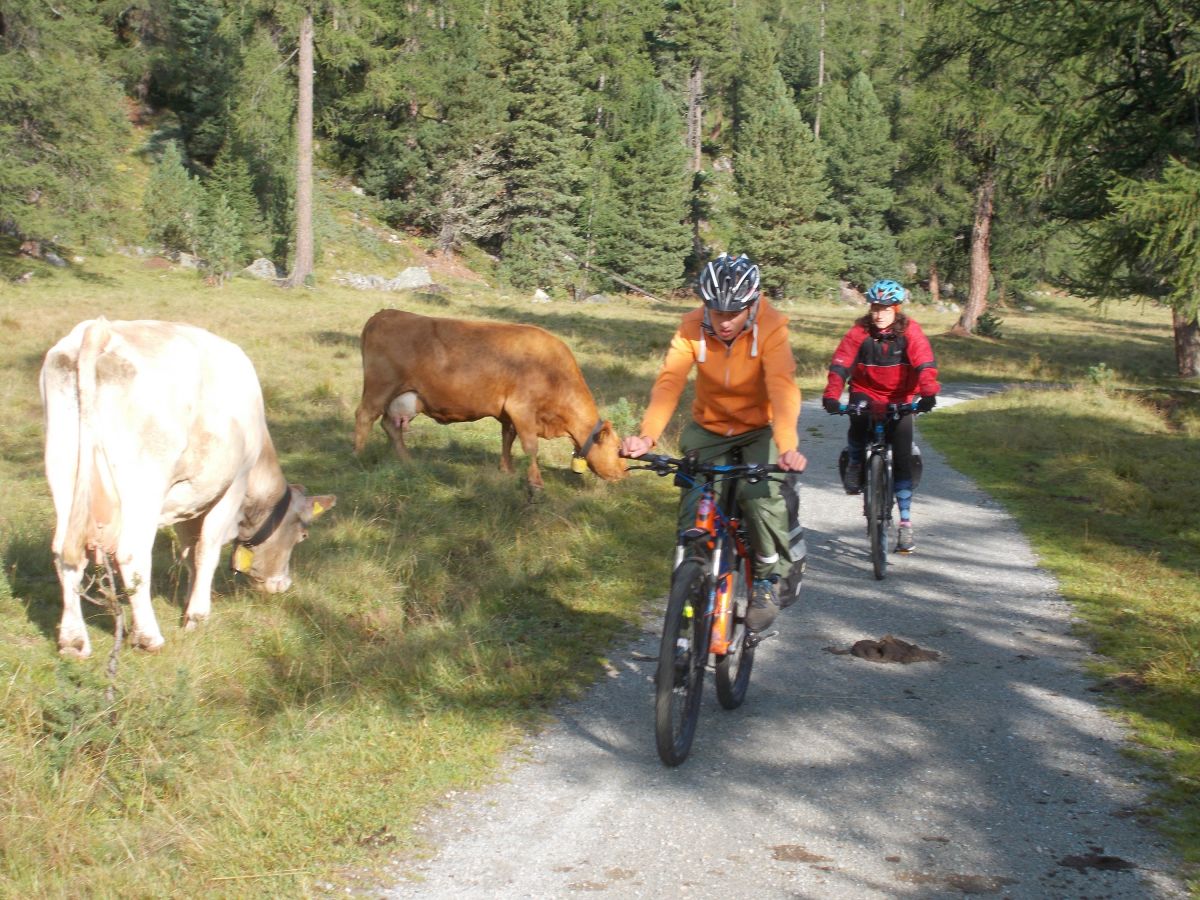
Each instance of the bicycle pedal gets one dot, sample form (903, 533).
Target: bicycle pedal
(753, 640)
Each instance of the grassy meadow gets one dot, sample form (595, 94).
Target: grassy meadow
(438, 614)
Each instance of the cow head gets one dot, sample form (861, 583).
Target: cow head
(602, 457)
(266, 563)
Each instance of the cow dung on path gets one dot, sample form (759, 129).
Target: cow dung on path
(887, 649)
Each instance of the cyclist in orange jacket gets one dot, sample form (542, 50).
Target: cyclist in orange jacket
(887, 359)
(746, 398)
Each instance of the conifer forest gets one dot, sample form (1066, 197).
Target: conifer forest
(977, 148)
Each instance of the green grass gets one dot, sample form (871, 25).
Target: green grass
(437, 614)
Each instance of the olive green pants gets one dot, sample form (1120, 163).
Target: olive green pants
(763, 507)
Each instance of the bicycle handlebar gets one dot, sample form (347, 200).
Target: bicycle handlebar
(894, 410)
(672, 465)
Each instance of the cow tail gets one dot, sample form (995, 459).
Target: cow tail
(94, 504)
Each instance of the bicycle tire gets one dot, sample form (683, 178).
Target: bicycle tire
(682, 657)
(878, 514)
(733, 668)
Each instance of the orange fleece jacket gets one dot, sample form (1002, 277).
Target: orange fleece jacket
(735, 392)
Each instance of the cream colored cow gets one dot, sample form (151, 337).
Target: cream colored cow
(157, 423)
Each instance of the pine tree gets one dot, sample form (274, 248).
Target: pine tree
(173, 203)
(62, 125)
(861, 158)
(542, 143)
(641, 231)
(781, 185)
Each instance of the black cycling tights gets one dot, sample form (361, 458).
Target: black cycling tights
(901, 432)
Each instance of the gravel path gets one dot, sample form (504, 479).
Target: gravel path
(991, 771)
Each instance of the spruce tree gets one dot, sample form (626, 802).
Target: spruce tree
(220, 242)
(173, 203)
(231, 177)
(261, 117)
(861, 159)
(542, 142)
(641, 231)
(782, 189)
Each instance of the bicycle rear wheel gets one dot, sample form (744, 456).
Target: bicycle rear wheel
(733, 668)
(877, 516)
(682, 656)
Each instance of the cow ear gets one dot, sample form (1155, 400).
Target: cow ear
(322, 503)
(300, 488)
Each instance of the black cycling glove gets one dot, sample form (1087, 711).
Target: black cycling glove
(831, 404)
(925, 404)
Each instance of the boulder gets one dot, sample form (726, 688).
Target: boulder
(262, 268)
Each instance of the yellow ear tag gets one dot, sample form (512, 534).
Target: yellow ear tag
(317, 509)
(578, 465)
(242, 558)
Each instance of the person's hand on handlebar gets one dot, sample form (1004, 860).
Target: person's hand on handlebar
(792, 461)
(831, 404)
(926, 403)
(635, 445)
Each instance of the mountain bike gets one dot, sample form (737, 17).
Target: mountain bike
(878, 495)
(705, 621)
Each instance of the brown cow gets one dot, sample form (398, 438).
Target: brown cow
(458, 371)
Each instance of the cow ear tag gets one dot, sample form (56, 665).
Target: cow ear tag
(578, 464)
(317, 509)
(242, 559)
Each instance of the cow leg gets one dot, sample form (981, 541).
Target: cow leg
(369, 409)
(134, 550)
(72, 633)
(210, 534)
(189, 536)
(395, 431)
(526, 430)
(508, 433)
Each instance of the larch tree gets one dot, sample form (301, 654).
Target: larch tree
(1119, 103)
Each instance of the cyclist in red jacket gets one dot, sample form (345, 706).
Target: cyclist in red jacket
(886, 358)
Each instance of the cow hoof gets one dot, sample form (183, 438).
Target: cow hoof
(147, 642)
(191, 623)
(75, 649)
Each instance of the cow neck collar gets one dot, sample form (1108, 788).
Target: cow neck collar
(582, 452)
(268, 527)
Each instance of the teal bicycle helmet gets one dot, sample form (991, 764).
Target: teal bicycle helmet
(886, 293)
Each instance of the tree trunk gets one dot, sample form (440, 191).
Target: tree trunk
(981, 256)
(695, 122)
(1187, 343)
(935, 285)
(303, 264)
(820, 74)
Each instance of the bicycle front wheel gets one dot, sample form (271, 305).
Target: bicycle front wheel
(878, 502)
(682, 656)
(733, 668)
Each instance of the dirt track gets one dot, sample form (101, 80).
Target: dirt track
(990, 771)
